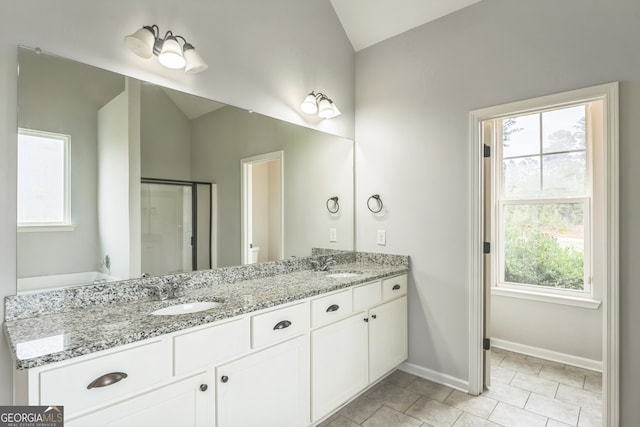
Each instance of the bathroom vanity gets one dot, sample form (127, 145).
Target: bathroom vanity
(285, 346)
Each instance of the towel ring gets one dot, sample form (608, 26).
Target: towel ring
(377, 198)
(336, 205)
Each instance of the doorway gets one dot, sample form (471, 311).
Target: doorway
(604, 239)
(262, 208)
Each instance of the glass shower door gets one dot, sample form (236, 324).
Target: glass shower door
(167, 228)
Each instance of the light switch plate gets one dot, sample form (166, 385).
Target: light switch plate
(381, 237)
(333, 235)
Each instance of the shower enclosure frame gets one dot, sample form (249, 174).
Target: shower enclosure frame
(194, 214)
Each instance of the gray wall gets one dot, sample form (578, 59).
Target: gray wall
(414, 94)
(316, 166)
(165, 136)
(572, 331)
(257, 56)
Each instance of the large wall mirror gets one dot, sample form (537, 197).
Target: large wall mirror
(119, 178)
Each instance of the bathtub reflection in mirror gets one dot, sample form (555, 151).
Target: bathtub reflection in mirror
(122, 130)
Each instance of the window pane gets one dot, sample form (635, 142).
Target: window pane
(564, 130)
(521, 135)
(522, 177)
(544, 245)
(564, 174)
(41, 179)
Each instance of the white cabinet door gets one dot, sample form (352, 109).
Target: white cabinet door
(187, 403)
(269, 388)
(387, 337)
(339, 367)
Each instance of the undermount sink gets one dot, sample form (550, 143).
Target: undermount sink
(343, 274)
(186, 308)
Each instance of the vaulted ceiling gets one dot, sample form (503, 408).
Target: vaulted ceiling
(368, 22)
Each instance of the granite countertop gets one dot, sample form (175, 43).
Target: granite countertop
(47, 338)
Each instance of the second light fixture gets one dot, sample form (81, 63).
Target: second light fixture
(321, 104)
(147, 42)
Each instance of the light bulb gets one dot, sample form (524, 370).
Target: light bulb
(309, 105)
(171, 54)
(325, 109)
(194, 62)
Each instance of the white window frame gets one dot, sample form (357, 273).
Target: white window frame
(533, 290)
(65, 224)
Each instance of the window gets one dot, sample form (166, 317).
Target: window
(543, 199)
(43, 184)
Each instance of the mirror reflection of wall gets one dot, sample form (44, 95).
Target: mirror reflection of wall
(316, 166)
(63, 97)
(184, 137)
(172, 136)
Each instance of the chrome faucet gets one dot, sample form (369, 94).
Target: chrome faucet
(323, 266)
(156, 290)
(165, 291)
(174, 290)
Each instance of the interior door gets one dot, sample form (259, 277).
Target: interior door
(489, 139)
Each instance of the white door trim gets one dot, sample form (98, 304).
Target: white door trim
(611, 294)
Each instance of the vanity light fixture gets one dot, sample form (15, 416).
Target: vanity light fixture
(321, 104)
(147, 42)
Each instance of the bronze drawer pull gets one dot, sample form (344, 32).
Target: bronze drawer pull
(333, 307)
(282, 325)
(107, 379)
(395, 287)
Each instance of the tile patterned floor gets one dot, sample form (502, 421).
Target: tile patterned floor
(525, 392)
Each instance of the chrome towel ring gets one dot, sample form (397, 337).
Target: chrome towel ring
(378, 200)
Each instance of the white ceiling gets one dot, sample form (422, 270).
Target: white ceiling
(368, 22)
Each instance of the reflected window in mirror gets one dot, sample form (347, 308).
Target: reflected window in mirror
(43, 183)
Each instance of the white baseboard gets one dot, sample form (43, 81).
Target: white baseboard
(554, 356)
(436, 377)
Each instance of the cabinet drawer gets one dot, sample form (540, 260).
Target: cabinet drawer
(276, 325)
(208, 347)
(330, 308)
(367, 295)
(394, 287)
(143, 365)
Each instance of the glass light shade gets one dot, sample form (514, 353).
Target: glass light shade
(194, 62)
(336, 112)
(171, 54)
(309, 105)
(325, 109)
(141, 42)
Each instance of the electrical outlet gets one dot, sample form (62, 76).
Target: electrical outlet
(333, 235)
(381, 237)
